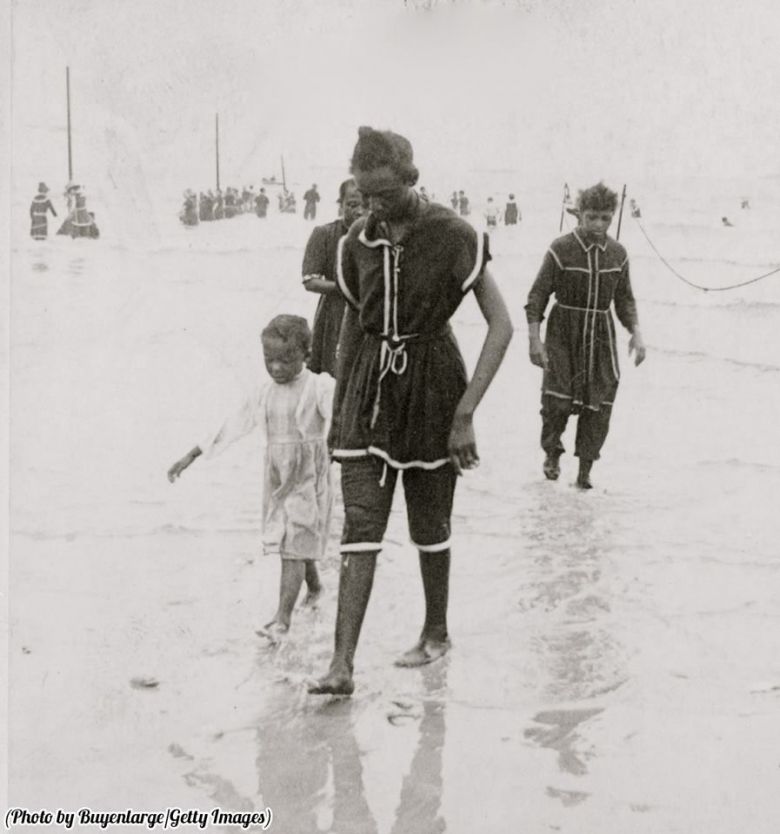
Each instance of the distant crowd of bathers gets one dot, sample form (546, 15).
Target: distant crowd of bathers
(222, 205)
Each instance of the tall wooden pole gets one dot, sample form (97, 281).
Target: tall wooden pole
(563, 205)
(70, 155)
(620, 216)
(284, 179)
(217, 133)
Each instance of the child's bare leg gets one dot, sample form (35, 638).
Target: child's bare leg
(293, 571)
(355, 582)
(434, 641)
(313, 584)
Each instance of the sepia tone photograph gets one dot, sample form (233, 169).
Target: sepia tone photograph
(391, 396)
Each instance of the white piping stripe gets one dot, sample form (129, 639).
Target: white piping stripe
(593, 321)
(475, 273)
(340, 280)
(388, 280)
(420, 464)
(433, 548)
(358, 547)
(575, 402)
(380, 241)
(313, 275)
(613, 352)
(587, 305)
(575, 269)
(380, 453)
(556, 258)
(396, 272)
(579, 309)
(580, 240)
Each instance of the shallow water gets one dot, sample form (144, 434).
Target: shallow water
(616, 661)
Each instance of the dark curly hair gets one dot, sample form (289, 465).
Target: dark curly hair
(597, 198)
(343, 188)
(377, 148)
(289, 328)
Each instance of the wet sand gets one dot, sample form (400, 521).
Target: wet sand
(616, 659)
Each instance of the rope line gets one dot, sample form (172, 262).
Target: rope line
(699, 286)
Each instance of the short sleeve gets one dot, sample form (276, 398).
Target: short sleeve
(472, 256)
(625, 305)
(241, 422)
(347, 277)
(315, 258)
(540, 292)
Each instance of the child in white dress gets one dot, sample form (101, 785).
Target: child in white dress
(293, 410)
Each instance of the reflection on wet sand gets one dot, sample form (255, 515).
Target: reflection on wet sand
(420, 801)
(561, 734)
(309, 766)
(567, 602)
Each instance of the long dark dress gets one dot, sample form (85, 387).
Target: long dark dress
(79, 223)
(586, 278)
(39, 226)
(261, 205)
(408, 375)
(319, 260)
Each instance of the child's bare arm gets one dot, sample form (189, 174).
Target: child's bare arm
(181, 465)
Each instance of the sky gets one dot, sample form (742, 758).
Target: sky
(564, 88)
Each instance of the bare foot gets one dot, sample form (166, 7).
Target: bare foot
(426, 651)
(274, 632)
(334, 683)
(312, 597)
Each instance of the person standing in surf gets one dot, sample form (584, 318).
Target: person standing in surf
(403, 402)
(39, 210)
(588, 272)
(511, 212)
(310, 199)
(261, 203)
(319, 276)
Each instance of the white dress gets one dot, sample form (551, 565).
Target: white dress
(297, 490)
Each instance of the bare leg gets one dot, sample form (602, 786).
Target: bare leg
(313, 584)
(434, 641)
(355, 582)
(289, 587)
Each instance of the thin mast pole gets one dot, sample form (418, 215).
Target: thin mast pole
(620, 216)
(217, 146)
(564, 198)
(70, 154)
(284, 179)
